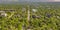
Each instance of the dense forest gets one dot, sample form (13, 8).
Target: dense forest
(42, 16)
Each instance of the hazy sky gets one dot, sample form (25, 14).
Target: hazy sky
(30, 0)
(57, 0)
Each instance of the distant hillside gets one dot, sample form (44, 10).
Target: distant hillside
(33, 3)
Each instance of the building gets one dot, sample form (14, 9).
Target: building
(2, 13)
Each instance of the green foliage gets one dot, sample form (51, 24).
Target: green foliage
(49, 19)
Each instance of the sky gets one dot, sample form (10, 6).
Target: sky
(30, 0)
(57, 0)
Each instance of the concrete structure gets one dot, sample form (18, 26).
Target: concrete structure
(2, 13)
(34, 10)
